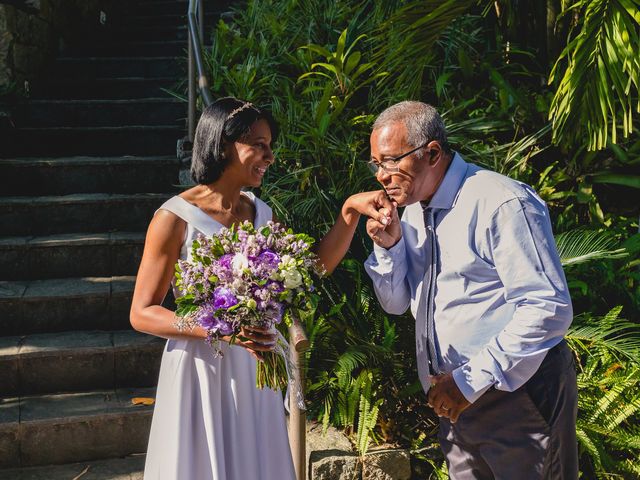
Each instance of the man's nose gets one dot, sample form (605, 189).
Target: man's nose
(382, 175)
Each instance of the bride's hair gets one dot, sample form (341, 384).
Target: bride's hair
(225, 121)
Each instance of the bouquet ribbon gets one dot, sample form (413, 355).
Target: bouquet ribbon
(293, 373)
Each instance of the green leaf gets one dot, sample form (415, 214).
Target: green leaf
(617, 179)
(581, 245)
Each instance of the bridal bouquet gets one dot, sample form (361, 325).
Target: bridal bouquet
(243, 276)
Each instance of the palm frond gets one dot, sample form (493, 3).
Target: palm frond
(412, 32)
(581, 245)
(599, 74)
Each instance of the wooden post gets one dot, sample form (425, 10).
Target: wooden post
(298, 344)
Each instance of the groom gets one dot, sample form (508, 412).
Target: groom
(475, 260)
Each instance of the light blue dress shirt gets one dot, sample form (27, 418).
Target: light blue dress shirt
(501, 299)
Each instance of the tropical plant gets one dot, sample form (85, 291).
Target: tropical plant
(472, 60)
(598, 73)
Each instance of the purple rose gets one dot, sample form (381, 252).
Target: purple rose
(223, 298)
(269, 258)
(223, 327)
(208, 320)
(225, 260)
(275, 287)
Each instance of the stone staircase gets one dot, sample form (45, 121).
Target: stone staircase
(91, 157)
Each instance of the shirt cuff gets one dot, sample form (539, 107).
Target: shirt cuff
(472, 381)
(386, 258)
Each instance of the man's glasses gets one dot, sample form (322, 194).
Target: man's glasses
(391, 165)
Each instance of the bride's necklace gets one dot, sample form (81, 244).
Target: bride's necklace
(229, 212)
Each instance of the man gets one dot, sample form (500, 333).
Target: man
(475, 260)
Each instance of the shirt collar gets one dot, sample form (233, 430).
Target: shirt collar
(447, 192)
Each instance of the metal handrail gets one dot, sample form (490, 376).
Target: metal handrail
(195, 18)
(298, 341)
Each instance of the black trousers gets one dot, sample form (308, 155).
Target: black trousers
(526, 434)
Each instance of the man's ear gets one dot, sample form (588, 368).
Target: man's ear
(435, 154)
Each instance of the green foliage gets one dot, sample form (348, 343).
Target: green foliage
(579, 246)
(599, 87)
(609, 400)
(327, 68)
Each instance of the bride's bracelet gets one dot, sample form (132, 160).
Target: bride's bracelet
(182, 324)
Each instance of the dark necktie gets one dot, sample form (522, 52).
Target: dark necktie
(425, 327)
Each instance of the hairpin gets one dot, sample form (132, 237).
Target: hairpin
(239, 109)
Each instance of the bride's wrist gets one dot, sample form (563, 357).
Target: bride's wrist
(349, 213)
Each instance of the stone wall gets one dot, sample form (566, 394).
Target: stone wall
(33, 32)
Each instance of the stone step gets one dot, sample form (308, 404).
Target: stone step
(170, 19)
(155, 33)
(78, 360)
(106, 88)
(78, 212)
(100, 113)
(70, 255)
(73, 427)
(62, 176)
(127, 468)
(66, 304)
(117, 67)
(69, 141)
(176, 48)
(177, 7)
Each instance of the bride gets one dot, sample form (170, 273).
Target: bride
(210, 421)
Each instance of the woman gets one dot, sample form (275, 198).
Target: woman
(210, 420)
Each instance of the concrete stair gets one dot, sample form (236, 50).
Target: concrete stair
(71, 427)
(70, 254)
(156, 48)
(90, 157)
(94, 212)
(105, 88)
(127, 468)
(110, 67)
(74, 175)
(65, 304)
(68, 141)
(100, 113)
(73, 361)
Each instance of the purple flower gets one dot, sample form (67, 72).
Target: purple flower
(225, 260)
(207, 319)
(275, 287)
(269, 258)
(223, 298)
(223, 327)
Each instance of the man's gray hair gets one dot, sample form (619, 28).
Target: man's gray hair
(423, 122)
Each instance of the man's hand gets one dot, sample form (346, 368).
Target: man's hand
(445, 397)
(383, 224)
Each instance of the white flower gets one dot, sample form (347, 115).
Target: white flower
(287, 262)
(239, 286)
(239, 263)
(292, 278)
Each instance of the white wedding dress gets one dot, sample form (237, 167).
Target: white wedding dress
(210, 421)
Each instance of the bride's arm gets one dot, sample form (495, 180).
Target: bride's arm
(161, 251)
(333, 247)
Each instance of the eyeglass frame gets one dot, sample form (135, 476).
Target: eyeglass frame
(376, 166)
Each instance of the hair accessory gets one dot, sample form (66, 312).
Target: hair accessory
(239, 109)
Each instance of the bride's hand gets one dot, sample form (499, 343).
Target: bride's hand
(375, 205)
(256, 340)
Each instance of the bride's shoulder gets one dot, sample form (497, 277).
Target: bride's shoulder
(263, 212)
(257, 201)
